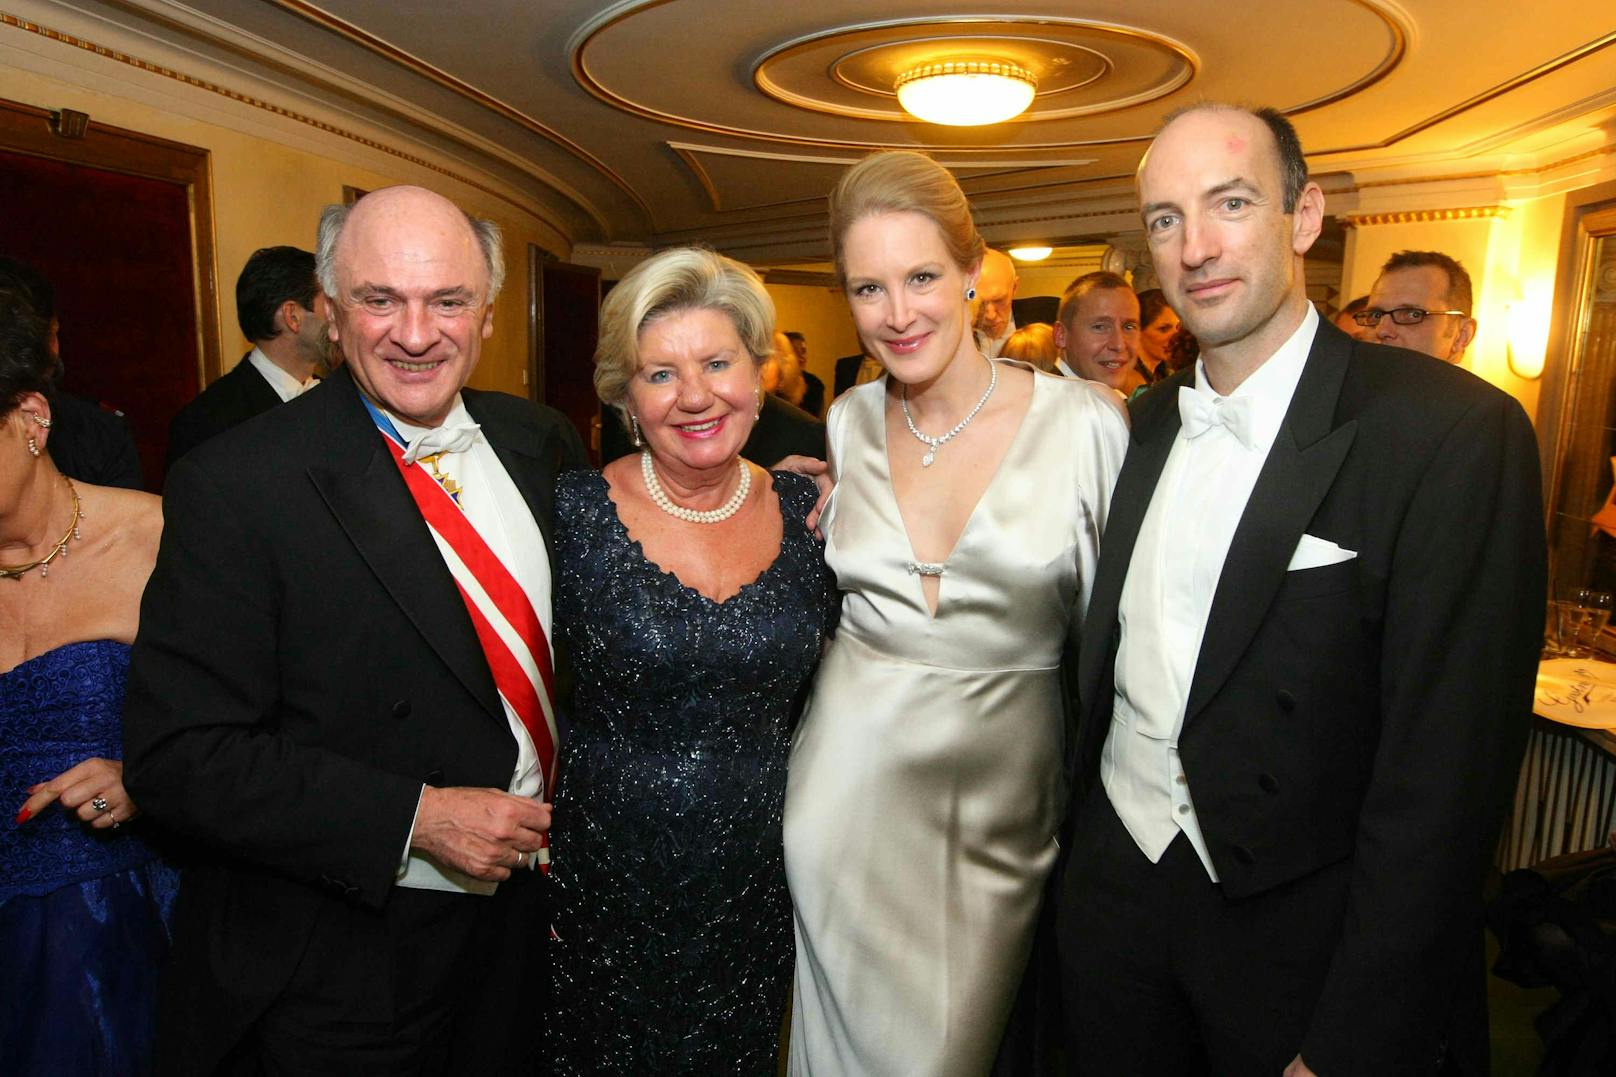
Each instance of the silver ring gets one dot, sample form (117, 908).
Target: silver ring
(99, 803)
(521, 859)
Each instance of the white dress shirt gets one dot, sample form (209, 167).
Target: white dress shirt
(496, 509)
(1177, 560)
(286, 387)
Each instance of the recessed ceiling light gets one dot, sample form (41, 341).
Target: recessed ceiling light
(1031, 254)
(966, 93)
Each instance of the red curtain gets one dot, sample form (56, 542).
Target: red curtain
(117, 248)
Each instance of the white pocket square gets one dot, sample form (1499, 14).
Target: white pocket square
(1312, 552)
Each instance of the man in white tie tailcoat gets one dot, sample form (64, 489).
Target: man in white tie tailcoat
(1306, 671)
(339, 694)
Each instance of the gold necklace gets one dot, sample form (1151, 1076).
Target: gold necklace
(16, 572)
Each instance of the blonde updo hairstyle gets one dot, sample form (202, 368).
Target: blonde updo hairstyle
(675, 281)
(903, 181)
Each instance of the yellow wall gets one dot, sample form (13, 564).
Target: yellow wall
(1032, 280)
(268, 192)
(820, 315)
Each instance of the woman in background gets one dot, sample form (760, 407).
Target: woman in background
(84, 904)
(1158, 323)
(692, 602)
(926, 776)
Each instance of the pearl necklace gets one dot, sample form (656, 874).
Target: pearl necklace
(58, 549)
(660, 497)
(939, 442)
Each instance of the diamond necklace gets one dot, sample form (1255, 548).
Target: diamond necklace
(58, 549)
(939, 442)
(660, 497)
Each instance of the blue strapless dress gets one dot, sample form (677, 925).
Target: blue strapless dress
(83, 913)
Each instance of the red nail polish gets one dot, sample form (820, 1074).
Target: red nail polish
(24, 815)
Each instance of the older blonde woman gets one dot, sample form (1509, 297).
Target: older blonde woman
(926, 782)
(692, 601)
(1034, 345)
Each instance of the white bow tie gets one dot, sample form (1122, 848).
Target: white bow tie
(1199, 413)
(457, 438)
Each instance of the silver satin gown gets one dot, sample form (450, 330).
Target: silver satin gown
(925, 780)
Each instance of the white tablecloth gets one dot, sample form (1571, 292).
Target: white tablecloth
(1565, 800)
(1577, 692)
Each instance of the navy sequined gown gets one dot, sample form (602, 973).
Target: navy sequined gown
(675, 926)
(83, 913)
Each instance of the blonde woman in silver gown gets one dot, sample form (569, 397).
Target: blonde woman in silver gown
(925, 784)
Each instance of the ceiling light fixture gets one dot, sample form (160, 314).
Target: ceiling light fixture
(1031, 254)
(966, 93)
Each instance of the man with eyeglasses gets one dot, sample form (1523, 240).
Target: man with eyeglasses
(1421, 301)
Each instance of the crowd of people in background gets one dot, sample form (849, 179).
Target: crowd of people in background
(1106, 331)
(1121, 697)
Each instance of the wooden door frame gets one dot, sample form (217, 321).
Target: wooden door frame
(26, 129)
(536, 257)
(1559, 380)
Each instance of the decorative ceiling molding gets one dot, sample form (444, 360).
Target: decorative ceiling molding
(968, 172)
(731, 121)
(1549, 67)
(590, 32)
(253, 56)
(849, 71)
(1568, 111)
(1427, 216)
(119, 56)
(377, 46)
(1502, 173)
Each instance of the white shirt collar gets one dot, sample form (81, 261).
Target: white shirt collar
(1271, 386)
(286, 387)
(409, 431)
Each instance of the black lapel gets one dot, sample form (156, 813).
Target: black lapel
(1301, 466)
(364, 491)
(531, 455)
(1155, 425)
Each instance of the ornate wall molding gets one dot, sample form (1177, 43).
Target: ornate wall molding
(1427, 216)
(118, 56)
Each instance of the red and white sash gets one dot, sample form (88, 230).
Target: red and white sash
(503, 616)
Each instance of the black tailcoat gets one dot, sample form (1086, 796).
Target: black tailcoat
(304, 664)
(1372, 711)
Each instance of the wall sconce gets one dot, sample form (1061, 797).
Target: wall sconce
(1527, 329)
(65, 123)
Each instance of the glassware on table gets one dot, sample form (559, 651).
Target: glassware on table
(1554, 629)
(1585, 614)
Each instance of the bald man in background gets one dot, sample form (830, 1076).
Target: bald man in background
(995, 290)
